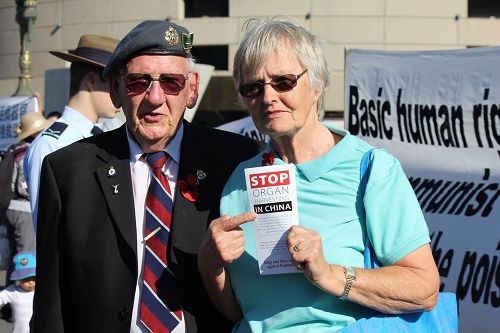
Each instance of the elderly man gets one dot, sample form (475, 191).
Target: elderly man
(123, 213)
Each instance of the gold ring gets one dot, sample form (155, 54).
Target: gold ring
(296, 247)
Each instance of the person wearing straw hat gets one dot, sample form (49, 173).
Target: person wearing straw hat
(32, 123)
(20, 294)
(89, 100)
(18, 214)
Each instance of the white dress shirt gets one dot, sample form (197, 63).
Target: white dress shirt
(141, 176)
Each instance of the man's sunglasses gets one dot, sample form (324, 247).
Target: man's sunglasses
(280, 83)
(171, 84)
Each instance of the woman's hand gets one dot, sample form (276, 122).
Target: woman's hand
(306, 251)
(223, 242)
(380, 288)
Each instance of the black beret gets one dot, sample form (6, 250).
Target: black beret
(151, 37)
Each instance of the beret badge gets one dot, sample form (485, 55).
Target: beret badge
(24, 261)
(187, 41)
(172, 36)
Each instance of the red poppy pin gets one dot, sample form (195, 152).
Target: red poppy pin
(189, 187)
(268, 158)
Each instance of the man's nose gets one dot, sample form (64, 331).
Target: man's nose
(155, 94)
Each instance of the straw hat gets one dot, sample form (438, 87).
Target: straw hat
(92, 49)
(31, 123)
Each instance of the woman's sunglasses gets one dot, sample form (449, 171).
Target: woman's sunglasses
(280, 83)
(171, 84)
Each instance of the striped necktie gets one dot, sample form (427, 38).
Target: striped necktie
(160, 306)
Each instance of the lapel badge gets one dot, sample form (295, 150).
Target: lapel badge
(111, 171)
(115, 188)
(187, 41)
(172, 36)
(200, 175)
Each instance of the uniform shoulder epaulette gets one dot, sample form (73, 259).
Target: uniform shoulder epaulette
(55, 130)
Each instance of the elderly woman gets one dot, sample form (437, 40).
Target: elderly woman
(281, 75)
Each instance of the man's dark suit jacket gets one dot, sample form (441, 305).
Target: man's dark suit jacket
(86, 237)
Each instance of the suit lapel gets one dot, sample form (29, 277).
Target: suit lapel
(115, 180)
(195, 154)
(189, 155)
(188, 217)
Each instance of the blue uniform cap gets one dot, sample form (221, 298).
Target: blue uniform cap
(154, 38)
(24, 265)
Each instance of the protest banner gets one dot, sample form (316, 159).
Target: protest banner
(11, 111)
(245, 127)
(438, 112)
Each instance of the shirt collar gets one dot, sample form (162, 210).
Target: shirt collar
(315, 169)
(173, 149)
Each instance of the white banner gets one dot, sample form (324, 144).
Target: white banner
(11, 111)
(438, 112)
(246, 127)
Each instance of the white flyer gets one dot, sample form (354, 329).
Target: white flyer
(272, 194)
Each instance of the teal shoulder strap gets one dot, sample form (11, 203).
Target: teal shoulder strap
(364, 173)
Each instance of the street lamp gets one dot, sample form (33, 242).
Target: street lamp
(25, 17)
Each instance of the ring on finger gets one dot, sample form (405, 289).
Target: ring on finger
(296, 247)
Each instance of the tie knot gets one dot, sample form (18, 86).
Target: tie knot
(156, 160)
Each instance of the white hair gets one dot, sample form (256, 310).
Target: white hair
(263, 37)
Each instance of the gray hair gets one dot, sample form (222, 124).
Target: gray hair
(191, 63)
(262, 37)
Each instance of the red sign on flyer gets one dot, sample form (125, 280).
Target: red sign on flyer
(267, 179)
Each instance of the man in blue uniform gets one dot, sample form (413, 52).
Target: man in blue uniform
(89, 100)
